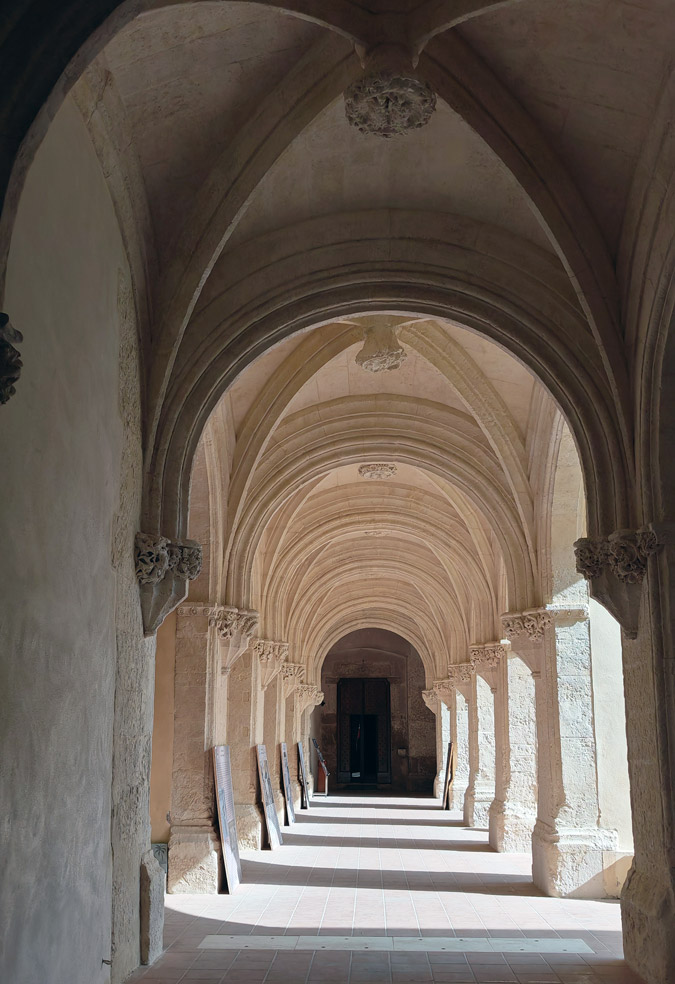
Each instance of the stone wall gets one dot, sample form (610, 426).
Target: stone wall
(70, 627)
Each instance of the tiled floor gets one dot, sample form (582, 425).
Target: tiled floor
(388, 868)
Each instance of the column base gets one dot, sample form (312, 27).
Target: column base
(194, 861)
(570, 862)
(648, 917)
(457, 793)
(249, 826)
(477, 802)
(510, 828)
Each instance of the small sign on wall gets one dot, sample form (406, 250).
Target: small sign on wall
(304, 803)
(222, 772)
(288, 789)
(271, 819)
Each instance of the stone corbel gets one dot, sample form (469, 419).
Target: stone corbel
(234, 628)
(431, 699)
(163, 569)
(10, 358)
(444, 690)
(306, 696)
(615, 567)
(272, 656)
(292, 674)
(525, 632)
(459, 675)
(486, 658)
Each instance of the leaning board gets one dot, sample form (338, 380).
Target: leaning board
(222, 772)
(303, 777)
(449, 776)
(288, 790)
(271, 819)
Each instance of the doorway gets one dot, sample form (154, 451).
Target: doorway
(364, 752)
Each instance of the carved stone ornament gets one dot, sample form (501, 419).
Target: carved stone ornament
(230, 622)
(530, 623)
(185, 558)
(272, 656)
(389, 102)
(152, 557)
(307, 695)
(377, 471)
(488, 656)
(460, 673)
(10, 358)
(155, 556)
(292, 675)
(431, 698)
(381, 350)
(591, 555)
(629, 552)
(625, 553)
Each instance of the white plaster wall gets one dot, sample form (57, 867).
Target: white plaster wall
(610, 725)
(61, 444)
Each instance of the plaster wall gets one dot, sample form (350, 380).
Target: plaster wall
(69, 619)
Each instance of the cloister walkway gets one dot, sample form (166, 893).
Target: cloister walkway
(375, 889)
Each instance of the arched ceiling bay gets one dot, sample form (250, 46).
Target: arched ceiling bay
(314, 537)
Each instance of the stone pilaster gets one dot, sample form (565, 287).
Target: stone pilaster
(307, 697)
(568, 845)
(440, 712)
(456, 704)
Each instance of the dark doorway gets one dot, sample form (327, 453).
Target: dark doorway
(364, 752)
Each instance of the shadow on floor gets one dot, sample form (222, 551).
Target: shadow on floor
(311, 817)
(470, 883)
(403, 844)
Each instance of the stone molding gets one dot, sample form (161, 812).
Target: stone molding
(292, 674)
(10, 358)
(163, 569)
(615, 566)
(307, 695)
(377, 471)
(271, 656)
(460, 673)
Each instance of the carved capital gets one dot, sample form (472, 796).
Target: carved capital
(292, 675)
(488, 656)
(10, 358)
(530, 624)
(271, 656)
(616, 565)
(185, 558)
(306, 696)
(156, 555)
(234, 623)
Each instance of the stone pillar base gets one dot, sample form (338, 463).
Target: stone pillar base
(569, 862)
(249, 826)
(648, 916)
(477, 804)
(510, 828)
(194, 861)
(438, 784)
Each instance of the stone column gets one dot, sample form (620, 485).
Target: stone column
(458, 714)
(512, 812)
(293, 675)
(209, 640)
(480, 790)
(568, 845)
(307, 697)
(442, 722)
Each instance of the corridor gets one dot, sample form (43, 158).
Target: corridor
(375, 889)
